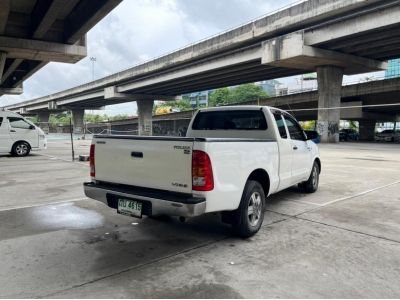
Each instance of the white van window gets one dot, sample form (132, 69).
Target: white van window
(1, 120)
(19, 123)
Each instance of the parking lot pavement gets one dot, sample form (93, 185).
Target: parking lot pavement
(43, 177)
(343, 241)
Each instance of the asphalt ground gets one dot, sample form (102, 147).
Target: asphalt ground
(342, 241)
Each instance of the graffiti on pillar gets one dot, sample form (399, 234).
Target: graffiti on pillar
(322, 127)
(333, 128)
(328, 130)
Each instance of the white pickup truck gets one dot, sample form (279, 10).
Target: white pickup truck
(231, 159)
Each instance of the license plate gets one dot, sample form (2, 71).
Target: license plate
(130, 207)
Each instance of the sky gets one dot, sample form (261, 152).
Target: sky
(138, 30)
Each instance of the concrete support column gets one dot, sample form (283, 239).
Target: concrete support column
(145, 114)
(329, 94)
(77, 119)
(367, 129)
(43, 118)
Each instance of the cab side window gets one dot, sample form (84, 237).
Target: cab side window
(1, 121)
(281, 125)
(18, 123)
(295, 130)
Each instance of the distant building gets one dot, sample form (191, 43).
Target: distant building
(199, 98)
(393, 69)
(269, 86)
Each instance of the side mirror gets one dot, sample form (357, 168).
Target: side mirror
(32, 127)
(311, 135)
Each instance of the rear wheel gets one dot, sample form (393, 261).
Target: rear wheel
(249, 216)
(311, 185)
(21, 149)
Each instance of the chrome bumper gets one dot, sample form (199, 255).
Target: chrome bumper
(185, 207)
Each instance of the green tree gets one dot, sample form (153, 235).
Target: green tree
(247, 92)
(308, 125)
(95, 118)
(219, 97)
(241, 93)
(118, 117)
(60, 119)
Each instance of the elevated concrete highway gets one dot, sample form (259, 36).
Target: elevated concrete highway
(367, 103)
(35, 32)
(360, 102)
(332, 37)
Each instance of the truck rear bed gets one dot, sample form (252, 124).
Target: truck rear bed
(162, 163)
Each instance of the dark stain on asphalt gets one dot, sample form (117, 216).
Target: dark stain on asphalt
(202, 290)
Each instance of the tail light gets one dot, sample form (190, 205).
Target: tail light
(202, 175)
(91, 161)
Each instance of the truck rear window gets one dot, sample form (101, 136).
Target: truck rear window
(230, 120)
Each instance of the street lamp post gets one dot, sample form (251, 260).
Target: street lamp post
(93, 60)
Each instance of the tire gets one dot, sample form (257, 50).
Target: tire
(311, 185)
(246, 224)
(21, 149)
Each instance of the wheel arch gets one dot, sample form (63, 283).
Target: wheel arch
(318, 161)
(21, 141)
(262, 177)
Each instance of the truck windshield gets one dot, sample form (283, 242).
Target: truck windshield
(230, 120)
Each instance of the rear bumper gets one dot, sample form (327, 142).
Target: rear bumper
(170, 204)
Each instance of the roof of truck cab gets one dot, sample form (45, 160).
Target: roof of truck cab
(243, 107)
(237, 107)
(8, 113)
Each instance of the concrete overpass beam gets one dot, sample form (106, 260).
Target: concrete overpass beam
(291, 51)
(329, 95)
(145, 114)
(43, 117)
(367, 129)
(111, 93)
(4, 12)
(77, 119)
(41, 50)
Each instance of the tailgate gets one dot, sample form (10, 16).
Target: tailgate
(158, 163)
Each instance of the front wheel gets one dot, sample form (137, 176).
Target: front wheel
(250, 214)
(21, 149)
(311, 185)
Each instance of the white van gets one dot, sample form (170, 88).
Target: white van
(19, 136)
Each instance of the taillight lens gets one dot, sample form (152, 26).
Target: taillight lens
(91, 161)
(202, 175)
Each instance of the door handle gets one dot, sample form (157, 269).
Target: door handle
(137, 154)
(295, 148)
(12, 130)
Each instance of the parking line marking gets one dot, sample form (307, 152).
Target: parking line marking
(42, 204)
(349, 197)
(361, 193)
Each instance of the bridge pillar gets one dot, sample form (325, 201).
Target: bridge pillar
(329, 94)
(367, 129)
(145, 114)
(43, 118)
(77, 119)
